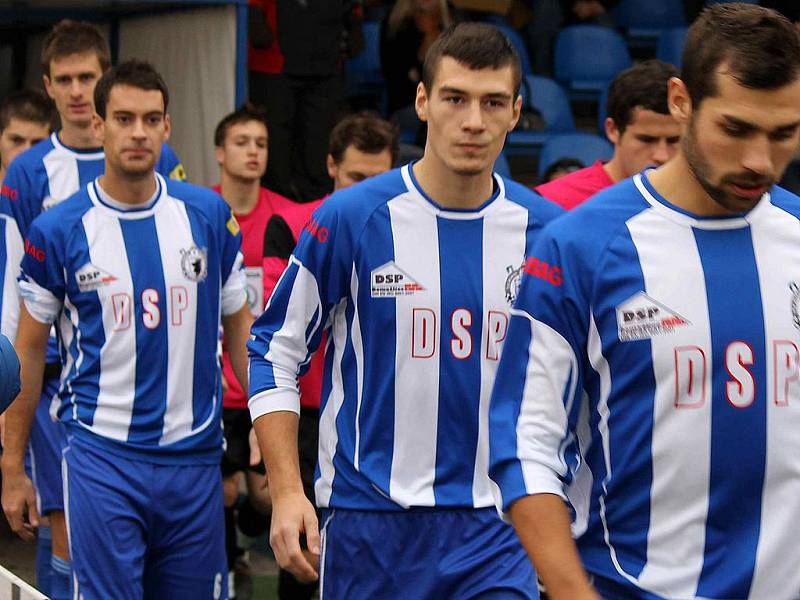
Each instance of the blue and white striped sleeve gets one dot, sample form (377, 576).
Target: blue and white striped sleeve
(537, 391)
(41, 280)
(289, 331)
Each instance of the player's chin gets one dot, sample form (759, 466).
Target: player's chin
(138, 168)
(470, 166)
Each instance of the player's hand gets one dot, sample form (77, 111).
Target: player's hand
(293, 514)
(255, 451)
(19, 504)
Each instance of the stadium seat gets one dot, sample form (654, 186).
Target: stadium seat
(501, 166)
(549, 99)
(519, 45)
(587, 57)
(586, 147)
(643, 20)
(670, 45)
(363, 72)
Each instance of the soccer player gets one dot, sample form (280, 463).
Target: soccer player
(650, 375)
(240, 141)
(362, 145)
(26, 117)
(640, 126)
(25, 120)
(410, 273)
(74, 57)
(135, 272)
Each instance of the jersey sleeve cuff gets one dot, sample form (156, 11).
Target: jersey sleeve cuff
(274, 400)
(41, 303)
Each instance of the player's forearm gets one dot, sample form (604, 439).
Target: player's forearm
(277, 439)
(19, 416)
(542, 524)
(237, 330)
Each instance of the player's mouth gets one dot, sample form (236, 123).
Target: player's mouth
(80, 108)
(472, 148)
(137, 152)
(747, 190)
(253, 164)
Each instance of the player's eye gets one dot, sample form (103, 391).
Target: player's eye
(783, 135)
(734, 131)
(454, 99)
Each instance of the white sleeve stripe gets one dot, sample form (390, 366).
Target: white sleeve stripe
(543, 421)
(288, 348)
(40, 302)
(274, 400)
(234, 294)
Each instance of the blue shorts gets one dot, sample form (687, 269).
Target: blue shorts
(422, 554)
(48, 440)
(142, 530)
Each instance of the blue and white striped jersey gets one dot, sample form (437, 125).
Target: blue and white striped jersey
(651, 377)
(37, 180)
(416, 298)
(136, 295)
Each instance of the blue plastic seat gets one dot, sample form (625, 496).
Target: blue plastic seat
(519, 45)
(363, 72)
(670, 45)
(586, 147)
(550, 100)
(501, 166)
(644, 20)
(587, 57)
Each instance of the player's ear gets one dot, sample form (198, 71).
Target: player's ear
(331, 164)
(679, 100)
(219, 154)
(421, 102)
(99, 128)
(167, 127)
(48, 85)
(612, 132)
(517, 108)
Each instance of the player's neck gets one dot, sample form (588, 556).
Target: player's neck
(77, 137)
(613, 169)
(241, 195)
(450, 189)
(2, 174)
(128, 190)
(676, 182)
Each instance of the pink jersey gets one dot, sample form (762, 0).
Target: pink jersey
(253, 226)
(571, 190)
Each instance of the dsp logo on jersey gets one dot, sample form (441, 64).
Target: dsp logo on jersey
(641, 317)
(390, 281)
(91, 278)
(543, 270)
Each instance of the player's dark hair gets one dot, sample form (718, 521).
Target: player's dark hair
(134, 73)
(26, 105)
(367, 132)
(244, 114)
(760, 47)
(474, 45)
(643, 85)
(74, 37)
